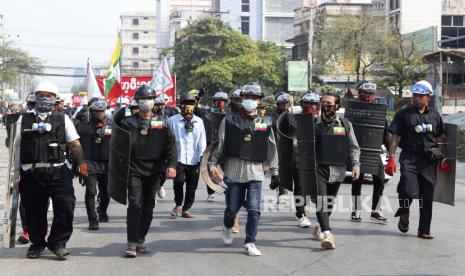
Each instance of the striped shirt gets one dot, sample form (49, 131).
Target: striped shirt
(243, 171)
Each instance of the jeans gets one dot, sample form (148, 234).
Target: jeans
(190, 175)
(141, 197)
(235, 195)
(36, 187)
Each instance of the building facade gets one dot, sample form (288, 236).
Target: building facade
(138, 39)
(270, 20)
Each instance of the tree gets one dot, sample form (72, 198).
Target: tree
(13, 62)
(402, 62)
(350, 41)
(211, 55)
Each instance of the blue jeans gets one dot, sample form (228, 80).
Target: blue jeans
(235, 195)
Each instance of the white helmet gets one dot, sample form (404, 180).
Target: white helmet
(283, 97)
(422, 87)
(310, 97)
(47, 86)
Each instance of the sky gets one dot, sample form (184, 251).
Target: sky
(65, 32)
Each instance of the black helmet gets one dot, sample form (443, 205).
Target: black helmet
(96, 104)
(236, 93)
(187, 97)
(144, 92)
(31, 98)
(252, 88)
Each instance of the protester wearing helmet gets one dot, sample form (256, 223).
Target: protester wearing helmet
(310, 103)
(191, 142)
(45, 172)
(235, 101)
(247, 146)
(153, 153)
(419, 131)
(95, 139)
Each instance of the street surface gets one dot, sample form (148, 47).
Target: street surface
(194, 246)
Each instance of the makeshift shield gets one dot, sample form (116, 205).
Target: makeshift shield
(220, 187)
(444, 191)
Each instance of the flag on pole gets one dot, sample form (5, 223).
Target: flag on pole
(114, 74)
(92, 87)
(161, 81)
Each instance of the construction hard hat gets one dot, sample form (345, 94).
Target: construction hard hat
(422, 87)
(47, 86)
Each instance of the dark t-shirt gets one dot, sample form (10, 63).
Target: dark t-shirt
(407, 119)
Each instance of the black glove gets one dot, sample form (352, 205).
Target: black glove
(274, 182)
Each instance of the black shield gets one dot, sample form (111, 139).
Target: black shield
(207, 123)
(305, 135)
(285, 147)
(216, 119)
(368, 121)
(445, 184)
(10, 119)
(120, 153)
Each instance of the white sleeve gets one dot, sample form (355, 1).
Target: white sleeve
(70, 130)
(77, 111)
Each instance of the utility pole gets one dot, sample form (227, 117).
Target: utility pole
(310, 44)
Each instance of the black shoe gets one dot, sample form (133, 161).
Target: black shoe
(103, 218)
(34, 252)
(378, 218)
(62, 253)
(93, 225)
(356, 217)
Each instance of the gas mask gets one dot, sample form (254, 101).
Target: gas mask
(328, 112)
(44, 104)
(146, 105)
(187, 108)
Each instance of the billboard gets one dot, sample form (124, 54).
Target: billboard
(128, 86)
(297, 75)
(424, 39)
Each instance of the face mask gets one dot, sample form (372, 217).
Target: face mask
(146, 105)
(249, 105)
(328, 112)
(97, 119)
(188, 109)
(44, 104)
(310, 109)
(157, 109)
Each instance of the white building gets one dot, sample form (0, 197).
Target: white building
(138, 39)
(414, 15)
(173, 14)
(271, 20)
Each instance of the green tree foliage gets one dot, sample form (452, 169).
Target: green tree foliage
(210, 54)
(13, 62)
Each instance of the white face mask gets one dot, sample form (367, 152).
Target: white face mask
(146, 105)
(249, 105)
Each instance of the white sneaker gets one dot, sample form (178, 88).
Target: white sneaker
(317, 234)
(304, 222)
(227, 236)
(252, 250)
(161, 192)
(211, 198)
(283, 199)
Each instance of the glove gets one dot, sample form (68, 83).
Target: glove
(274, 182)
(83, 170)
(445, 166)
(391, 167)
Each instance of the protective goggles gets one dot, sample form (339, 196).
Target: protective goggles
(368, 86)
(99, 105)
(419, 89)
(255, 89)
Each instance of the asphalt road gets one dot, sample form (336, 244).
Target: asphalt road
(194, 246)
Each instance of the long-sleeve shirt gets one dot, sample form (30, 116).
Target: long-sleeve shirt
(190, 145)
(243, 171)
(337, 173)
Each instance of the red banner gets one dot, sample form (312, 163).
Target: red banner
(128, 86)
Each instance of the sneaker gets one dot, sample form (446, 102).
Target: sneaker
(235, 228)
(251, 249)
(328, 241)
(161, 192)
(62, 253)
(24, 238)
(211, 198)
(356, 216)
(227, 236)
(304, 222)
(378, 218)
(283, 199)
(131, 251)
(93, 225)
(34, 252)
(103, 217)
(140, 248)
(317, 234)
